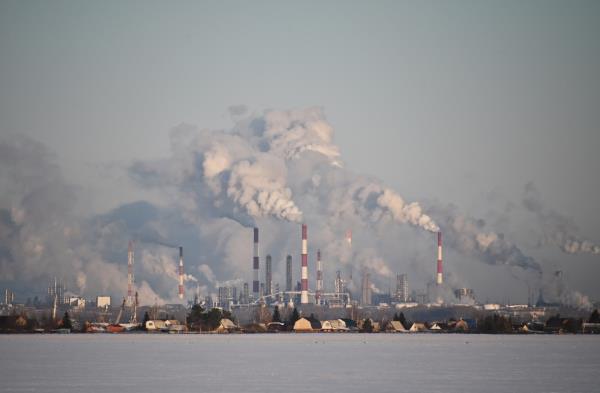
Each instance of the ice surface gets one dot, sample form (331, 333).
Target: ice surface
(298, 363)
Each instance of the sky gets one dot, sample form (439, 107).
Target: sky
(478, 105)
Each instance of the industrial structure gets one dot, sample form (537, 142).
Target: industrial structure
(288, 273)
(402, 288)
(130, 278)
(440, 270)
(268, 276)
(304, 273)
(255, 283)
(366, 289)
(180, 272)
(319, 289)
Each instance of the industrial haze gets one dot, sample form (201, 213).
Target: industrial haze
(274, 170)
(423, 126)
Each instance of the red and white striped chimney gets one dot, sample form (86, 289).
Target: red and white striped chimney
(180, 272)
(130, 274)
(440, 270)
(255, 284)
(304, 272)
(319, 290)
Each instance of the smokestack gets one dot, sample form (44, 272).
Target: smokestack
(440, 270)
(130, 274)
(288, 273)
(304, 275)
(180, 272)
(319, 278)
(268, 277)
(255, 285)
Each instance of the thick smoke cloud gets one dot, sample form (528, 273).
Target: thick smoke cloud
(269, 169)
(471, 237)
(264, 167)
(273, 170)
(42, 236)
(557, 229)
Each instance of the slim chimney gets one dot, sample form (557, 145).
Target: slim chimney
(440, 270)
(130, 259)
(268, 276)
(304, 272)
(255, 285)
(319, 289)
(288, 273)
(180, 272)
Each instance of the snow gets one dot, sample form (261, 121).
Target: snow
(298, 363)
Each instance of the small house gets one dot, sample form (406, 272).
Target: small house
(303, 325)
(418, 327)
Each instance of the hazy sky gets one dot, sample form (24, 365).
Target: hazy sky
(461, 102)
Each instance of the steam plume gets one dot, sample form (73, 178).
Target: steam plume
(557, 229)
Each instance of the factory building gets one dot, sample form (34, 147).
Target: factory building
(366, 297)
(102, 301)
(401, 288)
(465, 295)
(246, 294)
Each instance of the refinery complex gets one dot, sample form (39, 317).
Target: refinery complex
(252, 304)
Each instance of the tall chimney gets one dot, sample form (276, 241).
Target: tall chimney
(268, 276)
(304, 275)
(288, 273)
(319, 289)
(440, 270)
(130, 274)
(180, 272)
(255, 285)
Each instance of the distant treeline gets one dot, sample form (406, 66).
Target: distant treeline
(200, 319)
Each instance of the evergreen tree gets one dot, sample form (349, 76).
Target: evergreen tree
(276, 316)
(66, 321)
(295, 316)
(367, 326)
(400, 318)
(595, 317)
(146, 319)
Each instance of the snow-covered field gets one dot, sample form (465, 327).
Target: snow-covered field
(299, 363)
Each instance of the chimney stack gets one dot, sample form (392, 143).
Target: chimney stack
(255, 285)
(130, 274)
(440, 270)
(319, 289)
(180, 272)
(304, 275)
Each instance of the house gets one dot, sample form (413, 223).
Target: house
(418, 327)
(589, 327)
(155, 324)
(326, 326)
(274, 327)
(303, 325)
(395, 327)
(461, 326)
(333, 325)
(226, 326)
(435, 327)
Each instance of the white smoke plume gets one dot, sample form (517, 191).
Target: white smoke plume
(557, 229)
(273, 170)
(251, 171)
(470, 236)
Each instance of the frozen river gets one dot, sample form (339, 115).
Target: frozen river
(299, 363)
